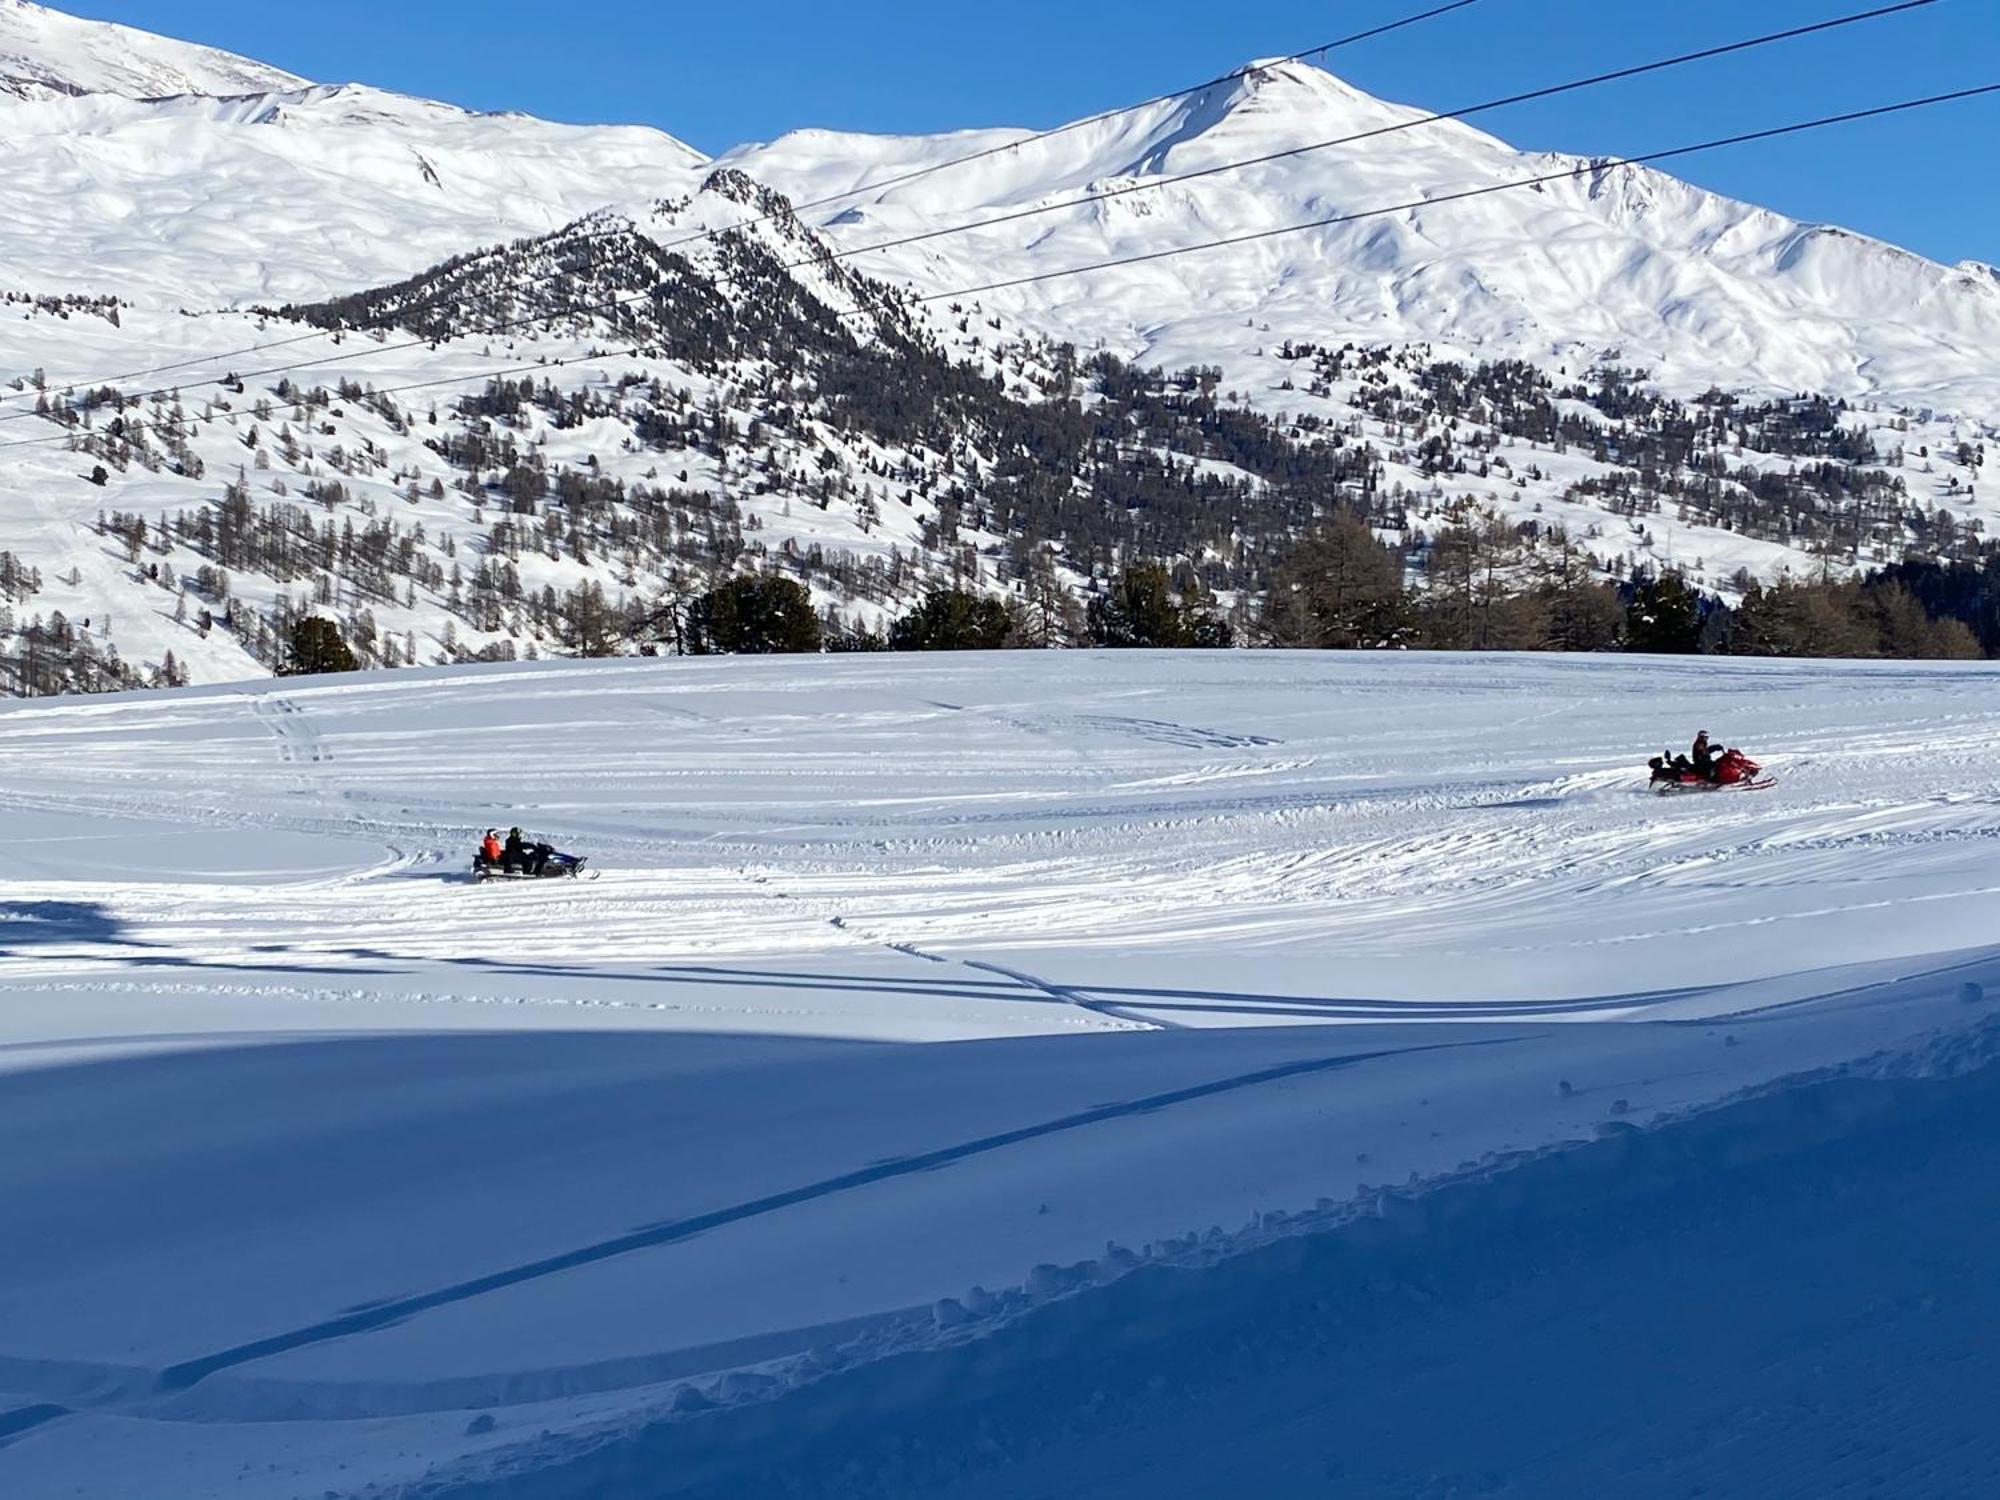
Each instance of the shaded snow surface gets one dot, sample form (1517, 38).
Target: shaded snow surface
(953, 1046)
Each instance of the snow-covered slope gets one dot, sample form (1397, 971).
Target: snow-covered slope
(45, 52)
(336, 1168)
(1633, 265)
(309, 192)
(144, 167)
(293, 195)
(185, 177)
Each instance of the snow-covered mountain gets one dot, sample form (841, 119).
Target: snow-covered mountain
(268, 188)
(1631, 264)
(727, 383)
(244, 184)
(293, 194)
(44, 52)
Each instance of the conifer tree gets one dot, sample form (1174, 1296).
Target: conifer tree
(316, 646)
(1663, 617)
(953, 620)
(753, 615)
(1340, 589)
(1142, 609)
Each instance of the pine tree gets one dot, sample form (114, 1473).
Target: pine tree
(953, 620)
(1664, 617)
(1142, 609)
(1584, 614)
(1340, 589)
(752, 615)
(316, 646)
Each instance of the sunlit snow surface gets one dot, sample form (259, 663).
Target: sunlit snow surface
(316, 1151)
(45, 53)
(250, 187)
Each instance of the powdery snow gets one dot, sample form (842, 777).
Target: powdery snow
(294, 195)
(1213, 938)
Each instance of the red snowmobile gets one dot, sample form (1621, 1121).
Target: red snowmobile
(1732, 769)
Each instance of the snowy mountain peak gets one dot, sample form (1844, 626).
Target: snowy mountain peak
(1285, 80)
(45, 53)
(1304, 103)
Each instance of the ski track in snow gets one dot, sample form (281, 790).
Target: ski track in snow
(373, 1142)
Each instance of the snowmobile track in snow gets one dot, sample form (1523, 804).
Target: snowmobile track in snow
(188, 1373)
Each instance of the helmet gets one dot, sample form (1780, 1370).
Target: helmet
(493, 833)
(514, 833)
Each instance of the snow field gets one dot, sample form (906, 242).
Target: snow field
(1784, 1296)
(1213, 937)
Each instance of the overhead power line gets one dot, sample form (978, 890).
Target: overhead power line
(1586, 169)
(632, 299)
(1582, 169)
(865, 188)
(918, 173)
(1156, 184)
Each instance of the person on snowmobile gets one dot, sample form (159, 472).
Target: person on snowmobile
(524, 856)
(489, 847)
(1703, 758)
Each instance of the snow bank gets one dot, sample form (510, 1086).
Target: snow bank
(1386, 1348)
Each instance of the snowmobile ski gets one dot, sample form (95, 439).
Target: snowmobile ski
(1673, 788)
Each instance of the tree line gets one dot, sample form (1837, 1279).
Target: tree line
(1345, 589)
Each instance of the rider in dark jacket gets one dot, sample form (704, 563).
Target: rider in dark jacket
(1703, 758)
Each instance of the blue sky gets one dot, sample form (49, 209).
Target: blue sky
(719, 74)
